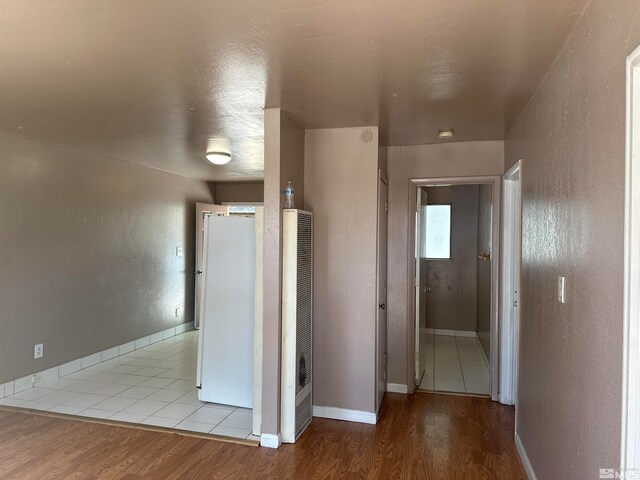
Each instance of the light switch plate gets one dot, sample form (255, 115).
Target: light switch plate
(179, 251)
(38, 351)
(562, 294)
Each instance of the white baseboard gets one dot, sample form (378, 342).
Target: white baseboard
(30, 381)
(525, 459)
(270, 440)
(396, 388)
(449, 333)
(336, 413)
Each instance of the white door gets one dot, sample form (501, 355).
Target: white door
(381, 323)
(421, 200)
(225, 354)
(202, 209)
(510, 291)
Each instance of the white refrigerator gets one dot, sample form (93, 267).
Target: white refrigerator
(225, 350)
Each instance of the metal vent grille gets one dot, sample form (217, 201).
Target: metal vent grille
(304, 412)
(303, 304)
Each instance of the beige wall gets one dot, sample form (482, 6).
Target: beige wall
(238, 192)
(485, 207)
(284, 160)
(341, 183)
(421, 161)
(571, 140)
(451, 304)
(88, 258)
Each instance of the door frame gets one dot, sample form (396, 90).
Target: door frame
(630, 436)
(421, 195)
(511, 266)
(382, 178)
(495, 181)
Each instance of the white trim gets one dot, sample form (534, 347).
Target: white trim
(15, 386)
(258, 325)
(510, 283)
(109, 353)
(24, 383)
(269, 440)
(528, 468)
(449, 333)
(336, 413)
(397, 388)
(630, 437)
(90, 360)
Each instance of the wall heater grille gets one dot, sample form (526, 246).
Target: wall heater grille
(297, 324)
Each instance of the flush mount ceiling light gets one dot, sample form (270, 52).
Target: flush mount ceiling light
(445, 134)
(218, 158)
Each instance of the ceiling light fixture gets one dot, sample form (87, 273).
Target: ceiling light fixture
(445, 134)
(218, 158)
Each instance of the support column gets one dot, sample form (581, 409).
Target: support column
(283, 161)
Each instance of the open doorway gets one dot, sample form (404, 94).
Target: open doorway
(418, 361)
(453, 302)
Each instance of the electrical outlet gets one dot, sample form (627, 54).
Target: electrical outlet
(38, 351)
(178, 312)
(179, 251)
(562, 294)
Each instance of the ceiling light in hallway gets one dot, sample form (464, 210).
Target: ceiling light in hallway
(219, 158)
(445, 134)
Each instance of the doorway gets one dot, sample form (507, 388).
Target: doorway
(453, 263)
(381, 316)
(455, 274)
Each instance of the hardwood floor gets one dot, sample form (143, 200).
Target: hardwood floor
(422, 436)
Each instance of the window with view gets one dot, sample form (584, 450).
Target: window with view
(436, 234)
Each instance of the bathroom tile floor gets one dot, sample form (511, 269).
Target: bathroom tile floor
(454, 364)
(154, 385)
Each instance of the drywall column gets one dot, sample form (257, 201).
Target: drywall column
(283, 161)
(341, 185)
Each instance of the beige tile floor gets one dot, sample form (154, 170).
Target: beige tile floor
(453, 364)
(154, 385)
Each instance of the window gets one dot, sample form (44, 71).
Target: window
(436, 233)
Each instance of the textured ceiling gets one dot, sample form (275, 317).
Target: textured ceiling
(158, 83)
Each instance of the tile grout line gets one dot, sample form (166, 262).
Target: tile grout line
(461, 369)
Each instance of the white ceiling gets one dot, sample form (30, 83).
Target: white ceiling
(158, 83)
